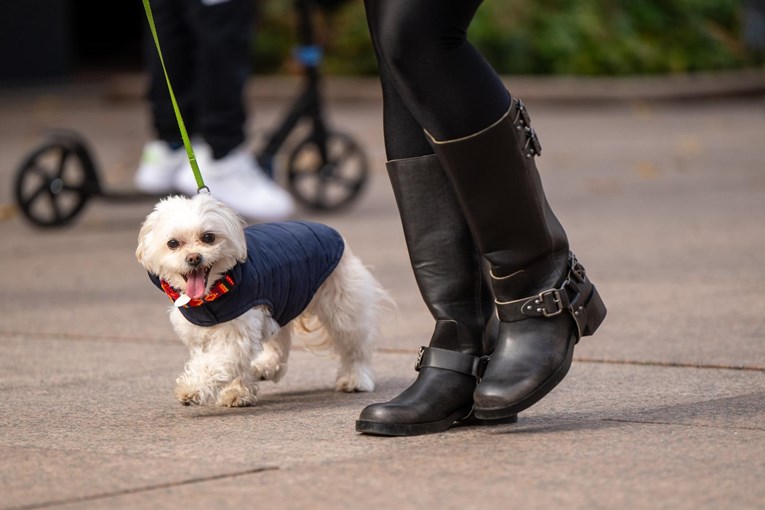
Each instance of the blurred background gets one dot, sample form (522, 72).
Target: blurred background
(61, 39)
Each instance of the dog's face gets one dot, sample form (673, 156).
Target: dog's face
(191, 242)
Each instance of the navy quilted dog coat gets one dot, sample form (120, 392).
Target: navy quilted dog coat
(286, 264)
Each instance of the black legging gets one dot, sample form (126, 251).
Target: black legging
(432, 77)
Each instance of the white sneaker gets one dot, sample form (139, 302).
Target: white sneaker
(238, 181)
(158, 168)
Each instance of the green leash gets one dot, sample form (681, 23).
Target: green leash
(184, 135)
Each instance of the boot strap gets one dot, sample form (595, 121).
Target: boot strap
(451, 360)
(522, 122)
(571, 297)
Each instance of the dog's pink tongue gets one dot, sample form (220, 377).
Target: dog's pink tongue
(195, 284)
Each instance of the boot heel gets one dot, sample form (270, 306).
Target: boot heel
(596, 312)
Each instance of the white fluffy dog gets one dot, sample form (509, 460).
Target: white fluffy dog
(192, 246)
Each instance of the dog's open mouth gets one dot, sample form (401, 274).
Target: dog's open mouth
(196, 282)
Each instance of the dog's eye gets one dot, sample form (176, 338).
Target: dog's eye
(208, 238)
(173, 244)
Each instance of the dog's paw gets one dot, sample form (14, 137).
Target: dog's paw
(356, 378)
(237, 394)
(267, 366)
(187, 393)
(187, 397)
(235, 400)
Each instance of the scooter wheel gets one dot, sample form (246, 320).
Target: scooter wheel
(327, 176)
(55, 181)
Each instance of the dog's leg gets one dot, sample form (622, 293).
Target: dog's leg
(241, 392)
(212, 370)
(193, 386)
(348, 304)
(271, 363)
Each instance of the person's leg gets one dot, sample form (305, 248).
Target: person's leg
(178, 48)
(223, 32)
(162, 157)
(485, 142)
(444, 81)
(447, 268)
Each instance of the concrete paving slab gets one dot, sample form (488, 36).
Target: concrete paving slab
(662, 202)
(676, 199)
(42, 473)
(611, 435)
(595, 473)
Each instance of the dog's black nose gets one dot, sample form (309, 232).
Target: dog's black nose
(193, 259)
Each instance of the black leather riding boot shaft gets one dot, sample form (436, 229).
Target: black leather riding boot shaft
(499, 189)
(448, 269)
(444, 257)
(498, 185)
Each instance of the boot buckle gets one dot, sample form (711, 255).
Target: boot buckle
(418, 363)
(521, 113)
(577, 270)
(556, 301)
(536, 144)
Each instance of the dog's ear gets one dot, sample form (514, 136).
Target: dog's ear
(240, 244)
(145, 236)
(233, 224)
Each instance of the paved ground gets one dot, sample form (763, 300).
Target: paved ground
(663, 201)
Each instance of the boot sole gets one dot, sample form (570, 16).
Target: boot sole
(409, 429)
(471, 420)
(387, 429)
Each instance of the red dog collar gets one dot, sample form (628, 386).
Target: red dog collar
(219, 288)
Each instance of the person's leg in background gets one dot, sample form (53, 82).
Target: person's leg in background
(163, 157)
(484, 140)
(206, 48)
(222, 31)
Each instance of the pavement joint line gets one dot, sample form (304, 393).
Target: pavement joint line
(148, 488)
(699, 425)
(603, 361)
(606, 361)
(671, 364)
(44, 335)
(78, 382)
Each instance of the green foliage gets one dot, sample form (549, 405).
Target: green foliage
(583, 37)
(274, 35)
(342, 32)
(610, 37)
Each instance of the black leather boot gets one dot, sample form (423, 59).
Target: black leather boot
(544, 300)
(447, 268)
